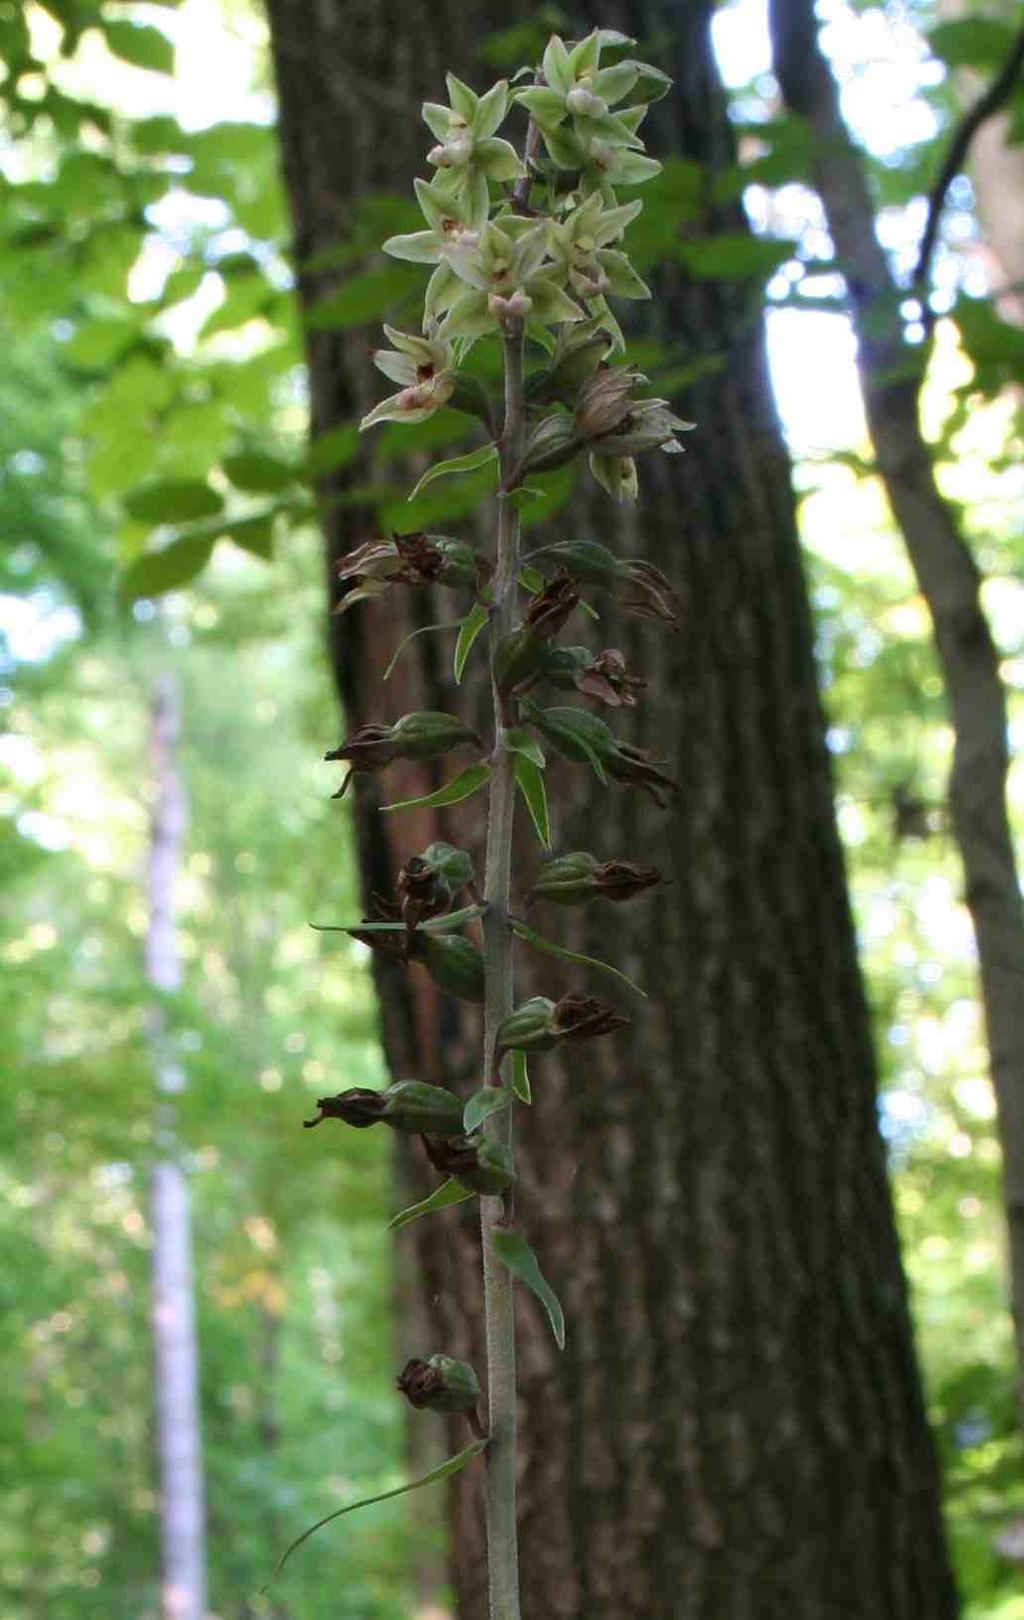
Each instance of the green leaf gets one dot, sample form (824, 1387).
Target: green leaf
(253, 534)
(521, 1077)
(974, 42)
(487, 454)
(521, 741)
(530, 779)
(172, 501)
(363, 298)
(733, 256)
(531, 579)
(421, 630)
(450, 1192)
(434, 925)
(329, 451)
(490, 1100)
(512, 1249)
(472, 625)
(453, 1465)
(156, 572)
(142, 46)
(461, 787)
(256, 473)
(541, 944)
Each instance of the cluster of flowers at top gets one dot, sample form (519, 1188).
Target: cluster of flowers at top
(539, 241)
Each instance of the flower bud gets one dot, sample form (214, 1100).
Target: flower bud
(515, 306)
(409, 1106)
(548, 609)
(636, 767)
(617, 474)
(605, 401)
(441, 1384)
(585, 104)
(455, 964)
(422, 735)
(580, 877)
(553, 443)
(360, 1106)
(480, 1164)
(422, 891)
(579, 1018)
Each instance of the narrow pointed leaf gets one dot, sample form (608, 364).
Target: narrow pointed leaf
(521, 1077)
(539, 943)
(461, 787)
(472, 625)
(434, 925)
(524, 742)
(456, 464)
(421, 630)
(450, 1192)
(490, 1100)
(531, 785)
(452, 1465)
(512, 1249)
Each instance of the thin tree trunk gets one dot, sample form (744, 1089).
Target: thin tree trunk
(176, 1373)
(949, 582)
(735, 1430)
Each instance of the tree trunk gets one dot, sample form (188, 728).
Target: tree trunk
(736, 1427)
(950, 583)
(176, 1373)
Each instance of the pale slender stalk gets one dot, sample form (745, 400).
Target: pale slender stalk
(502, 1545)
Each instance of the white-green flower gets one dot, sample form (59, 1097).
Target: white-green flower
(453, 222)
(468, 153)
(577, 87)
(581, 248)
(423, 366)
(508, 274)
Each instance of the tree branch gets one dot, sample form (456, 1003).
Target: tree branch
(988, 103)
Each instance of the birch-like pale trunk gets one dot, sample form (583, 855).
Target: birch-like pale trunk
(175, 1351)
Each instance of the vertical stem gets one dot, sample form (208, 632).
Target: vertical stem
(502, 1546)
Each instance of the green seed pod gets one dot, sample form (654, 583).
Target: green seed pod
(454, 865)
(553, 443)
(428, 733)
(574, 733)
(418, 1109)
(568, 880)
(481, 1165)
(455, 964)
(518, 659)
(530, 1028)
(441, 1384)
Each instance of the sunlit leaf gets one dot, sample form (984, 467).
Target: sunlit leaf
(472, 624)
(450, 1192)
(461, 787)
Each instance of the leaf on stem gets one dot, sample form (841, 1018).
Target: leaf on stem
(512, 1249)
(461, 787)
(452, 1465)
(471, 627)
(521, 741)
(531, 937)
(521, 1077)
(433, 925)
(450, 1192)
(422, 630)
(490, 1100)
(530, 779)
(486, 454)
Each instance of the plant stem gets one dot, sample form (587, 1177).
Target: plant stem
(502, 1545)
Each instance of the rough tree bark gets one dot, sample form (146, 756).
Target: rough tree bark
(176, 1372)
(950, 583)
(736, 1426)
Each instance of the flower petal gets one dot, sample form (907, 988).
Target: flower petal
(498, 159)
(490, 111)
(550, 304)
(438, 119)
(398, 367)
(419, 247)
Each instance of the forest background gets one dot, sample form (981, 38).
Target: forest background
(158, 521)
